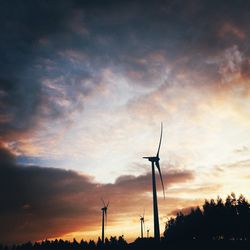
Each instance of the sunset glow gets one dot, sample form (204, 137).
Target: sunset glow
(84, 88)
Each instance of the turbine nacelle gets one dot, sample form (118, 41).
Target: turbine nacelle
(105, 208)
(152, 158)
(142, 218)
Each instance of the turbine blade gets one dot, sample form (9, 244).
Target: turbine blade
(103, 202)
(159, 169)
(107, 204)
(143, 213)
(158, 151)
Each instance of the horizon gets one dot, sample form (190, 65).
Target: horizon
(84, 87)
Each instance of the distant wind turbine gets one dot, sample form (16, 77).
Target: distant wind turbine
(104, 217)
(155, 162)
(142, 223)
(148, 233)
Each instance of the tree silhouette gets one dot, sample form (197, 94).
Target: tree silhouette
(122, 243)
(99, 243)
(217, 220)
(112, 243)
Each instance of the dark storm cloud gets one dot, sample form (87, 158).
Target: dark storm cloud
(38, 203)
(32, 34)
(127, 32)
(123, 35)
(6, 157)
(143, 184)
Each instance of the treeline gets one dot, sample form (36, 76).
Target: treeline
(217, 224)
(110, 244)
(216, 220)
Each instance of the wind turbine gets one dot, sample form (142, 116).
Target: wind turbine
(148, 232)
(155, 162)
(142, 223)
(104, 215)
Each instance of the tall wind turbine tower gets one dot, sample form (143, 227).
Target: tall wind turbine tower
(104, 217)
(155, 162)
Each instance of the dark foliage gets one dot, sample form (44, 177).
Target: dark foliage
(218, 220)
(110, 244)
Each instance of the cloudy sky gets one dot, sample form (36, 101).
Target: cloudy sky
(84, 86)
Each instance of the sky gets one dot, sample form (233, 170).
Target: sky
(84, 87)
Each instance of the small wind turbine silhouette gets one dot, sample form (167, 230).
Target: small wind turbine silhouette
(155, 162)
(104, 217)
(142, 223)
(148, 233)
